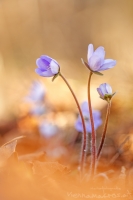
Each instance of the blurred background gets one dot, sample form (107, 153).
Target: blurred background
(63, 29)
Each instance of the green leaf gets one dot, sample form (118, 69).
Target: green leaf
(113, 94)
(55, 76)
(97, 73)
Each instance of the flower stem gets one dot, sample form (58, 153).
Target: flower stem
(84, 140)
(93, 135)
(104, 130)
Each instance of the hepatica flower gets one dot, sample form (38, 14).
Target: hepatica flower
(47, 129)
(96, 61)
(36, 98)
(37, 93)
(105, 91)
(47, 66)
(38, 109)
(85, 111)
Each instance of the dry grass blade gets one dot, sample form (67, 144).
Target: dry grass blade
(119, 151)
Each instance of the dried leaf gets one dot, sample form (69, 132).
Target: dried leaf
(46, 169)
(7, 150)
(32, 156)
(14, 139)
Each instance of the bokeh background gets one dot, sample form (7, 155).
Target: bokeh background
(63, 29)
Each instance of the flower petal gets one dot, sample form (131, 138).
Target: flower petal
(41, 64)
(95, 62)
(47, 73)
(78, 126)
(97, 123)
(100, 52)
(88, 127)
(103, 89)
(108, 63)
(54, 67)
(90, 51)
(84, 106)
(37, 91)
(47, 129)
(96, 114)
(86, 114)
(46, 59)
(108, 88)
(100, 92)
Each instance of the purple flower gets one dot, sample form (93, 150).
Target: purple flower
(37, 93)
(96, 61)
(47, 129)
(105, 91)
(38, 109)
(47, 66)
(85, 111)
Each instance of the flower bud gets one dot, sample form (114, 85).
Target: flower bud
(105, 91)
(47, 66)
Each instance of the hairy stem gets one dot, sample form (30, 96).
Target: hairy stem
(104, 130)
(93, 135)
(84, 140)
